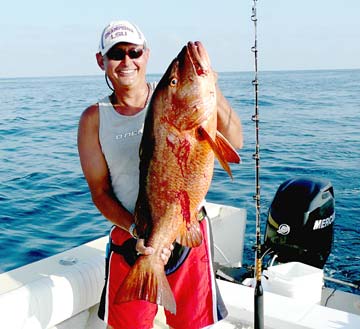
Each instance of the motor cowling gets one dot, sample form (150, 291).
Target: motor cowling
(300, 221)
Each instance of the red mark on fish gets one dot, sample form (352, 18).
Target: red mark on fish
(184, 200)
(181, 149)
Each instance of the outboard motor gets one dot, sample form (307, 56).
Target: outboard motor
(300, 221)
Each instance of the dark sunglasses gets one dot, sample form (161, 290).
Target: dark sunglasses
(119, 54)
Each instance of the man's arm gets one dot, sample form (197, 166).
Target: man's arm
(96, 171)
(228, 122)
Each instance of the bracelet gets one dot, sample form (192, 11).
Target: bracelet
(131, 230)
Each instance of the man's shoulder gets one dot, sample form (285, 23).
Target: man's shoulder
(90, 114)
(91, 110)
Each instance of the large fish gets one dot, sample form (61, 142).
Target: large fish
(176, 167)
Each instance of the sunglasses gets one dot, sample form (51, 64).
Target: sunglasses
(119, 54)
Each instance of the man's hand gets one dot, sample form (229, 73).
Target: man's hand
(143, 250)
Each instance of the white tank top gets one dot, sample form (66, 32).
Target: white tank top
(120, 137)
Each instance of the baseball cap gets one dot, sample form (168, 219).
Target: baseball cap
(120, 31)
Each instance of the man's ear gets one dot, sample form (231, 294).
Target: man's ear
(100, 61)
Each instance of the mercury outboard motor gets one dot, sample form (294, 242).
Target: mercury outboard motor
(300, 221)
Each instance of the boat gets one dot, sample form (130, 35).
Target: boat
(63, 291)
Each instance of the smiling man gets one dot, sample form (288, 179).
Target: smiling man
(109, 137)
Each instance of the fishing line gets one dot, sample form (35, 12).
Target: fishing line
(258, 291)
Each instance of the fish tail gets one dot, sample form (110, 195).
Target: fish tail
(146, 282)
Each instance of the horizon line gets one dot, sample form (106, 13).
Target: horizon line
(152, 73)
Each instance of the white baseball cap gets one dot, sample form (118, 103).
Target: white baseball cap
(120, 31)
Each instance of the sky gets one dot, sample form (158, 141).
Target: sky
(60, 38)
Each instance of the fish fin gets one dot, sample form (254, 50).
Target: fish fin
(147, 282)
(190, 235)
(228, 150)
(223, 150)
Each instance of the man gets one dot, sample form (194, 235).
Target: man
(108, 141)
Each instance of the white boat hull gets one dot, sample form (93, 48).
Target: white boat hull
(63, 291)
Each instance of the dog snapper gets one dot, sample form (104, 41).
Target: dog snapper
(177, 152)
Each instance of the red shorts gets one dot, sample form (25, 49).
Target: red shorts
(198, 301)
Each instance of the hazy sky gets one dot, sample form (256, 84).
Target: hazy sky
(51, 38)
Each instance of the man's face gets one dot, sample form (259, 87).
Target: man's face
(125, 64)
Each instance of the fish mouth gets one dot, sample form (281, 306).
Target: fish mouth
(199, 57)
(200, 61)
(193, 68)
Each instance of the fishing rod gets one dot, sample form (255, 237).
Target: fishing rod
(258, 291)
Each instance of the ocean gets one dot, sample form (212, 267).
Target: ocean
(309, 126)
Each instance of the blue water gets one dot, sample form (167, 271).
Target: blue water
(309, 125)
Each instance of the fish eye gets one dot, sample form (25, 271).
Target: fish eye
(173, 82)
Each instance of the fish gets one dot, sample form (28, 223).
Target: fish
(177, 152)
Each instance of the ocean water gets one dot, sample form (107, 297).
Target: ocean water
(309, 125)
